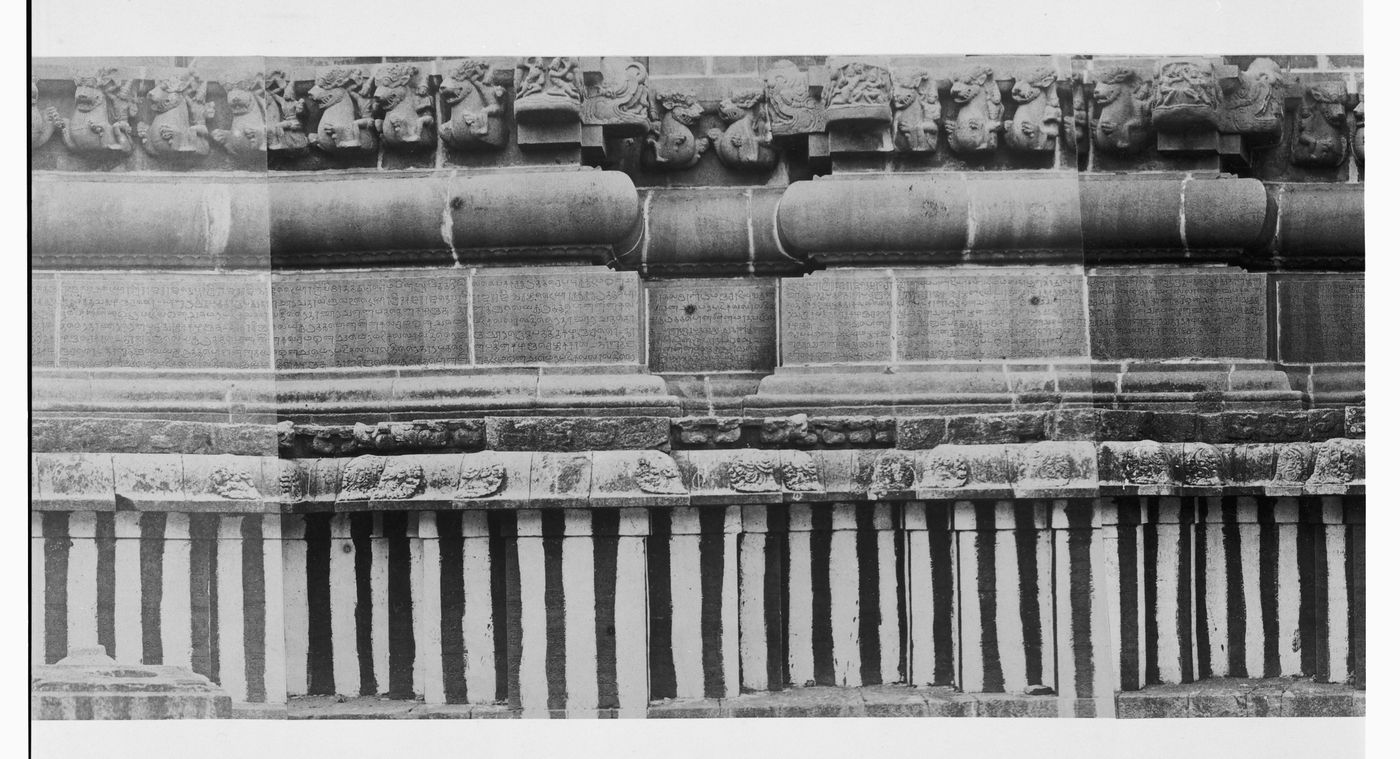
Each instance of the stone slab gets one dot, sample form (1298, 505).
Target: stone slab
(991, 315)
(700, 326)
(836, 317)
(566, 316)
(347, 319)
(1178, 314)
(43, 296)
(165, 321)
(1321, 319)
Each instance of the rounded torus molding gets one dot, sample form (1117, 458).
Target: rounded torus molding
(1173, 217)
(98, 222)
(1013, 216)
(1319, 225)
(582, 210)
(707, 232)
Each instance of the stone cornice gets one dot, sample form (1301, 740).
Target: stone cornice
(631, 478)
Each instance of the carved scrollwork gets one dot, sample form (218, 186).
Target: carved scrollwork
(788, 100)
(799, 473)
(893, 470)
(1255, 104)
(1201, 465)
(1293, 463)
(481, 480)
(657, 473)
(100, 122)
(916, 111)
(179, 114)
(1146, 463)
(1045, 464)
(346, 122)
(752, 471)
(672, 142)
(472, 107)
(1123, 111)
(233, 483)
(400, 478)
(1185, 96)
(977, 123)
(403, 107)
(359, 477)
(747, 143)
(1338, 461)
(622, 103)
(944, 469)
(547, 90)
(1320, 134)
(1035, 126)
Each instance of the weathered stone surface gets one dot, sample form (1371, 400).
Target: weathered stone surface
(43, 314)
(990, 315)
(88, 684)
(1321, 318)
(72, 482)
(708, 430)
(1177, 314)
(164, 321)
(556, 317)
(836, 317)
(576, 433)
(387, 437)
(1321, 223)
(1356, 421)
(67, 434)
(712, 325)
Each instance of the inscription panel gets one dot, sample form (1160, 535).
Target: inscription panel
(371, 319)
(991, 315)
(164, 321)
(1178, 315)
(1321, 319)
(837, 317)
(557, 317)
(42, 293)
(712, 326)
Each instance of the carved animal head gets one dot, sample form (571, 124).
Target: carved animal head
(1033, 85)
(172, 91)
(1328, 100)
(392, 82)
(243, 92)
(334, 83)
(908, 84)
(970, 83)
(682, 106)
(1265, 71)
(1112, 83)
(93, 91)
(462, 79)
(739, 104)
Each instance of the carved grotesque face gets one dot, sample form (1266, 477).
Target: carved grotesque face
(1333, 113)
(1025, 91)
(240, 101)
(390, 98)
(1106, 92)
(906, 89)
(87, 97)
(731, 111)
(963, 91)
(165, 96)
(453, 91)
(1265, 72)
(326, 97)
(686, 112)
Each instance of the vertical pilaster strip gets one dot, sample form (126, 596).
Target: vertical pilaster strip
(1337, 611)
(153, 551)
(1032, 545)
(921, 647)
(867, 581)
(405, 564)
(1269, 587)
(38, 591)
(505, 585)
(891, 631)
(713, 576)
(555, 612)
(343, 595)
(130, 586)
(428, 611)
(377, 589)
(977, 623)
(1290, 590)
(603, 542)
(687, 617)
(1312, 589)
(105, 543)
(229, 632)
(660, 662)
(1250, 596)
(753, 618)
(453, 660)
(844, 574)
(296, 620)
(577, 586)
(800, 624)
(533, 673)
(478, 620)
(82, 581)
(631, 612)
(1356, 585)
(729, 602)
(823, 633)
(367, 612)
(274, 635)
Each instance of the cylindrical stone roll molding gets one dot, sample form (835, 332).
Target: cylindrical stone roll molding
(545, 208)
(321, 220)
(102, 223)
(1320, 221)
(1185, 213)
(706, 232)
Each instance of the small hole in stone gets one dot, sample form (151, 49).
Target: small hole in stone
(347, 548)
(457, 203)
(1035, 300)
(689, 310)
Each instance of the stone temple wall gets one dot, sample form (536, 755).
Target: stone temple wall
(923, 385)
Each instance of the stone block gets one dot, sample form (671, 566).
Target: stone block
(1321, 319)
(566, 316)
(43, 314)
(508, 433)
(1356, 421)
(1177, 314)
(836, 317)
(164, 321)
(990, 315)
(686, 709)
(704, 325)
(88, 684)
(72, 482)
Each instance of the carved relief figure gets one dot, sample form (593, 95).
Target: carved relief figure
(1080, 121)
(285, 131)
(979, 110)
(1186, 96)
(178, 114)
(1255, 104)
(1124, 114)
(1036, 123)
(101, 113)
(916, 111)
(472, 107)
(788, 100)
(246, 137)
(746, 143)
(625, 103)
(1320, 133)
(403, 107)
(1358, 140)
(548, 90)
(345, 122)
(41, 122)
(858, 92)
(672, 140)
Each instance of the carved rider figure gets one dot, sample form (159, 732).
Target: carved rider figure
(974, 129)
(1124, 114)
(625, 103)
(246, 137)
(1186, 96)
(672, 140)
(1320, 136)
(179, 112)
(548, 91)
(789, 103)
(285, 130)
(1036, 124)
(345, 118)
(41, 121)
(916, 111)
(101, 112)
(746, 143)
(472, 107)
(1255, 104)
(406, 110)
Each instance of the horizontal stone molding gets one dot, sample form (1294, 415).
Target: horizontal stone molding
(630, 478)
(1178, 217)
(1318, 225)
